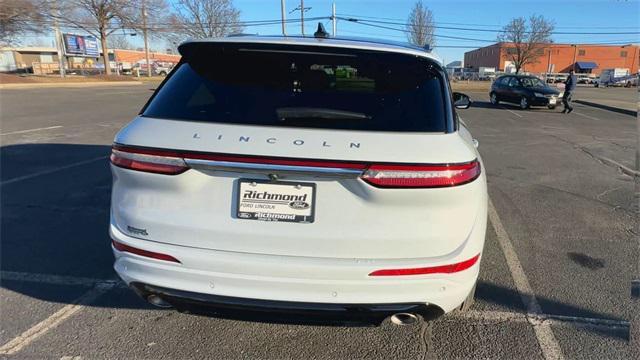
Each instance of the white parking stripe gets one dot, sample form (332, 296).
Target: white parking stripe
(51, 171)
(54, 320)
(54, 279)
(546, 339)
(31, 130)
(587, 116)
(513, 112)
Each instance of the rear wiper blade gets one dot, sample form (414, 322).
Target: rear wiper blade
(285, 113)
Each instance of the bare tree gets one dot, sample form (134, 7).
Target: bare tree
(99, 18)
(528, 40)
(205, 18)
(18, 17)
(120, 41)
(155, 13)
(420, 26)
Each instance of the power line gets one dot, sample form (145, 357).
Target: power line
(489, 30)
(487, 25)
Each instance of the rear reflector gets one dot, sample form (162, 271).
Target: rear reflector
(154, 255)
(421, 176)
(442, 269)
(158, 163)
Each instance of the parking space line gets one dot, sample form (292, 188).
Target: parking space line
(31, 130)
(513, 112)
(587, 116)
(57, 318)
(51, 171)
(54, 279)
(546, 339)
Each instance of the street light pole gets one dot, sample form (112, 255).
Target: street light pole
(284, 17)
(333, 19)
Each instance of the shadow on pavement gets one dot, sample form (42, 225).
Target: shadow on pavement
(56, 224)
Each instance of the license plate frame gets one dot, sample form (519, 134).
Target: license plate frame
(279, 208)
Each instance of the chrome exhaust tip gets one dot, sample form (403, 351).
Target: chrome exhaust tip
(156, 300)
(402, 319)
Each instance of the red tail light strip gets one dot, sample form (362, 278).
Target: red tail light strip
(148, 163)
(150, 254)
(442, 269)
(379, 175)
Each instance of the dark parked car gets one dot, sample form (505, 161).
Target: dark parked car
(523, 90)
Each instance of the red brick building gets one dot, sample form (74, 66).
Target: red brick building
(558, 58)
(133, 56)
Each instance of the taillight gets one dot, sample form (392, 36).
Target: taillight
(150, 254)
(441, 269)
(386, 175)
(421, 176)
(147, 161)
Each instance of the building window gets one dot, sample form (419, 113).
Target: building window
(581, 52)
(623, 54)
(511, 51)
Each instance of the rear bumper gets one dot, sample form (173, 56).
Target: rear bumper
(283, 311)
(301, 279)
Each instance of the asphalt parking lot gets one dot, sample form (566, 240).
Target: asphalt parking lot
(554, 283)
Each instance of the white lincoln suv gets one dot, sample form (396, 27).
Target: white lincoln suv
(289, 178)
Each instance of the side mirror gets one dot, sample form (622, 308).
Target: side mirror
(461, 101)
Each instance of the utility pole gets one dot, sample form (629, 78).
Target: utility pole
(575, 51)
(59, 42)
(302, 9)
(302, 16)
(333, 19)
(284, 17)
(146, 42)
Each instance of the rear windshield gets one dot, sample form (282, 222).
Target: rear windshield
(310, 87)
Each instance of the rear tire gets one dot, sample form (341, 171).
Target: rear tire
(468, 302)
(494, 98)
(524, 103)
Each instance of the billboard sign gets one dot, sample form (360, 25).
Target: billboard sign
(81, 45)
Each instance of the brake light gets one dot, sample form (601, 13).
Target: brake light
(150, 254)
(421, 176)
(147, 161)
(442, 269)
(172, 162)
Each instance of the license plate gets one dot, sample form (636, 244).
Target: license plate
(552, 101)
(276, 201)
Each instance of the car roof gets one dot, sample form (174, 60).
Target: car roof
(337, 42)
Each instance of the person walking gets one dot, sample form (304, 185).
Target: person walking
(569, 87)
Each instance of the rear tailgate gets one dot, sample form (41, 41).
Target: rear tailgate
(353, 219)
(325, 109)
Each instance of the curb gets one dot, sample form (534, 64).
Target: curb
(607, 107)
(69, 84)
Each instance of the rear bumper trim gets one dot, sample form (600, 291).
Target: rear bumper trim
(283, 311)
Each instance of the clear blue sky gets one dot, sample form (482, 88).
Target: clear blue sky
(568, 15)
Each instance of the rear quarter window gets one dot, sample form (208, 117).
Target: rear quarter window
(299, 86)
